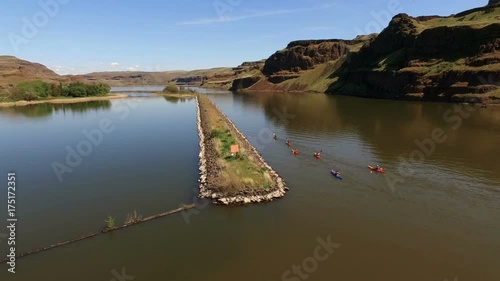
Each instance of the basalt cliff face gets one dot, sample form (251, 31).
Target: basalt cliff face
(453, 58)
(434, 58)
(305, 55)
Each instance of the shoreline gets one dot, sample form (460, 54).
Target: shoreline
(187, 96)
(61, 101)
(209, 167)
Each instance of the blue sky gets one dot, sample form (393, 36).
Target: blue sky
(82, 36)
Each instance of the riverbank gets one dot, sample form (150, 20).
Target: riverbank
(60, 101)
(227, 179)
(180, 96)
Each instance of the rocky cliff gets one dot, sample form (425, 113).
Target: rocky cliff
(453, 58)
(306, 54)
(435, 58)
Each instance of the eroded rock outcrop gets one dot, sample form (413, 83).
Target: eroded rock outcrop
(433, 58)
(244, 83)
(306, 54)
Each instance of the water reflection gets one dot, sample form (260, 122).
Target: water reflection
(390, 128)
(47, 109)
(177, 99)
(138, 89)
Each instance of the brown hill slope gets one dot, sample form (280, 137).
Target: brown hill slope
(14, 70)
(131, 78)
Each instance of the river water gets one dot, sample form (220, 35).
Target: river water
(435, 215)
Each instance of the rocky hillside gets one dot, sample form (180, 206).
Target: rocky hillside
(434, 58)
(302, 66)
(307, 54)
(14, 70)
(454, 58)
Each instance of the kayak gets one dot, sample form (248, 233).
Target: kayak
(380, 170)
(338, 176)
(317, 156)
(296, 152)
(289, 143)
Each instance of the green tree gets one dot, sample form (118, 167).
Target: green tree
(110, 222)
(31, 90)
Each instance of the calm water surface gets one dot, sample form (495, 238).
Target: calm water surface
(434, 219)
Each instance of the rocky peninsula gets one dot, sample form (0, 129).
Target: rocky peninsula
(225, 177)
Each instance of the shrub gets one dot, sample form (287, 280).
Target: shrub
(31, 88)
(110, 222)
(133, 218)
(79, 89)
(27, 96)
(56, 89)
(171, 89)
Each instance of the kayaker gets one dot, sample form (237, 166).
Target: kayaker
(288, 143)
(275, 137)
(378, 168)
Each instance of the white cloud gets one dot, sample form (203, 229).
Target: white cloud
(133, 68)
(252, 14)
(62, 70)
(114, 64)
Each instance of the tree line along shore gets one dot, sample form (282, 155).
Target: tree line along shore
(38, 90)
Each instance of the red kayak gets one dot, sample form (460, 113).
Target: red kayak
(295, 151)
(318, 156)
(379, 170)
(289, 143)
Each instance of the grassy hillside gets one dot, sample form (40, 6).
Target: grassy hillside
(454, 58)
(14, 70)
